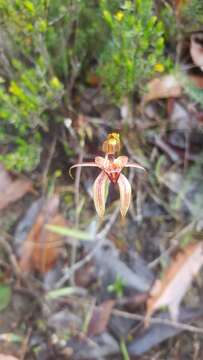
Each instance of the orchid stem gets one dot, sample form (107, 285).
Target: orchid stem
(77, 185)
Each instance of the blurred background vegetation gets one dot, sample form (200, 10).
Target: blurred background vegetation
(49, 46)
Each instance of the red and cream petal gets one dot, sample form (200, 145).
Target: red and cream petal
(101, 162)
(125, 194)
(99, 197)
(115, 167)
(121, 162)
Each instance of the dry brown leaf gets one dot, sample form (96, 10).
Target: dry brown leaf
(176, 281)
(11, 191)
(196, 49)
(163, 87)
(197, 81)
(5, 179)
(42, 247)
(85, 275)
(100, 318)
(7, 357)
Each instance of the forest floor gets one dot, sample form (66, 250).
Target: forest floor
(84, 291)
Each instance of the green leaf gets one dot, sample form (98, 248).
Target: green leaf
(55, 294)
(5, 296)
(29, 6)
(65, 231)
(107, 16)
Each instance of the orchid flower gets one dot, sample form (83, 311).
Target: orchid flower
(111, 168)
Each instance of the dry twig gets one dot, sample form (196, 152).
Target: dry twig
(157, 320)
(77, 185)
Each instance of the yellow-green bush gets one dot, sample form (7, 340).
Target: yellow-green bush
(47, 44)
(134, 49)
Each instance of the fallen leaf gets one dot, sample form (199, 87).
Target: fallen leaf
(196, 49)
(100, 318)
(197, 81)
(115, 268)
(176, 281)
(157, 333)
(5, 179)
(11, 191)
(85, 275)
(65, 319)
(7, 357)
(100, 347)
(41, 249)
(163, 87)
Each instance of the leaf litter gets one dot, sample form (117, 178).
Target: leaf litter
(100, 318)
(12, 190)
(38, 254)
(155, 334)
(41, 249)
(177, 279)
(7, 357)
(163, 88)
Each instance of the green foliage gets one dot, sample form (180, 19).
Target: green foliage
(167, 16)
(66, 291)
(192, 15)
(29, 87)
(66, 231)
(5, 296)
(193, 92)
(117, 287)
(46, 45)
(188, 18)
(26, 155)
(135, 46)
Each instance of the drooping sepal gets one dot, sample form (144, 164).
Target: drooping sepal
(99, 194)
(136, 166)
(85, 164)
(125, 194)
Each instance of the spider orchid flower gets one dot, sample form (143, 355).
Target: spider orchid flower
(111, 168)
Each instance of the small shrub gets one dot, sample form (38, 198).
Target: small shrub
(192, 15)
(47, 45)
(45, 48)
(134, 48)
